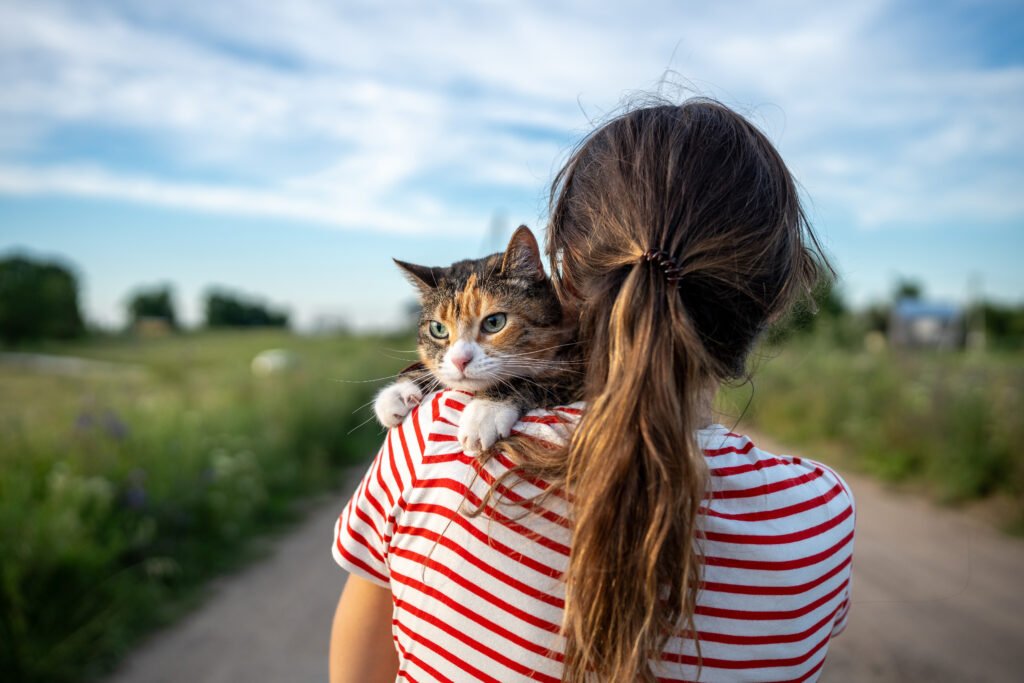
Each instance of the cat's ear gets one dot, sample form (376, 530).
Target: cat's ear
(522, 256)
(424, 277)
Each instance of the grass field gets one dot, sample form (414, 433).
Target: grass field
(123, 485)
(948, 423)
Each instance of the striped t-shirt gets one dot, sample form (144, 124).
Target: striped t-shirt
(481, 598)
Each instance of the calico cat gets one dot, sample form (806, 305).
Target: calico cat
(493, 327)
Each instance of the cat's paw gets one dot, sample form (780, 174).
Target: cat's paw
(484, 423)
(394, 402)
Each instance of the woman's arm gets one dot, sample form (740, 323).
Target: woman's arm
(361, 647)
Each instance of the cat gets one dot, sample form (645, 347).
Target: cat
(493, 327)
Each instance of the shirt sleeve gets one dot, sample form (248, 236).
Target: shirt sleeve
(843, 613)
(363, 531)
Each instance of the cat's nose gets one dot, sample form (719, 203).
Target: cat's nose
(462, 361)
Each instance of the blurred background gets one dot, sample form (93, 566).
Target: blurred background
(199, 203)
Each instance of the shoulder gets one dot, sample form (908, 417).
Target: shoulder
(774, 499)
(740, 469)
(777, 539)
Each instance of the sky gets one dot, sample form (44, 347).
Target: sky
(288, 150)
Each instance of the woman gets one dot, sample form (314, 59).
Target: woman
(645, 542)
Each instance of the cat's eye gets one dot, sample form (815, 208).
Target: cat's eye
(493, 323)
(437, 330)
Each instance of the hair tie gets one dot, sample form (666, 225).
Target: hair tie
(669, 266)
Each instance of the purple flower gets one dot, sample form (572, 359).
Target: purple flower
(85, 421)
(134, 496)
(114, 426)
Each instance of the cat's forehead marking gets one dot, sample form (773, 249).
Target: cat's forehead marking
(445, 311)
(468, 299)
(474, 301)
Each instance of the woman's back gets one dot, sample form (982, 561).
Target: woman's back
(481, 597)
(675, 239)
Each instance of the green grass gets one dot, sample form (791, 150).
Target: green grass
(951, 423)
(121, 491)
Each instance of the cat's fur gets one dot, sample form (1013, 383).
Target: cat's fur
(526, 364)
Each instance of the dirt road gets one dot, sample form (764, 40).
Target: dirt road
(938, 597)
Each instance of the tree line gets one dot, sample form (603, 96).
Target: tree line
(221, 308)
(40, 300)
(825, 312)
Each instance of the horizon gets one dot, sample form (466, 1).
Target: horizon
(327, 322)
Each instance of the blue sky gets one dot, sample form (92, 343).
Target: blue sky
(290, 149)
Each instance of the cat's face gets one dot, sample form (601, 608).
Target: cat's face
(487, 320)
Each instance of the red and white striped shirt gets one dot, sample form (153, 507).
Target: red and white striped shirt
(481, 598)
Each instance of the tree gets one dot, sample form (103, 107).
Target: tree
(1003, 323)
(38, 300)
(907, 288)
(876, 317)
(154, 302)
(824, 304)
(228, 309)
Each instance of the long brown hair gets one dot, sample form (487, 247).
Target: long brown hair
(702, 188)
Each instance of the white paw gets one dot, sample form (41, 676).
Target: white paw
(394, 402)
(484, 423)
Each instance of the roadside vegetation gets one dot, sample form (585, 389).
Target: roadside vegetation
(948, 423)
(126, 482)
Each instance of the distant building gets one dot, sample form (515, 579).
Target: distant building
(923, 324)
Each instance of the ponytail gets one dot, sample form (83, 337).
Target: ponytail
(638, 479)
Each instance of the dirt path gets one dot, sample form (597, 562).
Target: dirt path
(266, 624)
(938, 597)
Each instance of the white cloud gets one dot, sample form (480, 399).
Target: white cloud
(416, 216)
(343, 115)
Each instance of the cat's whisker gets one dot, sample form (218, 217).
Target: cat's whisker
(526, 379)
(541, 350)
(531, 355)
(404, 360)
(512, 389)
(540, 365)
(558, 346)
(363, 381)
(370, 419)
(540, 362)
(506, 384)
(365, 405)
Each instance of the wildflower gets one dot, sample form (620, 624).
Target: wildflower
(134, 496)
(114, 426)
